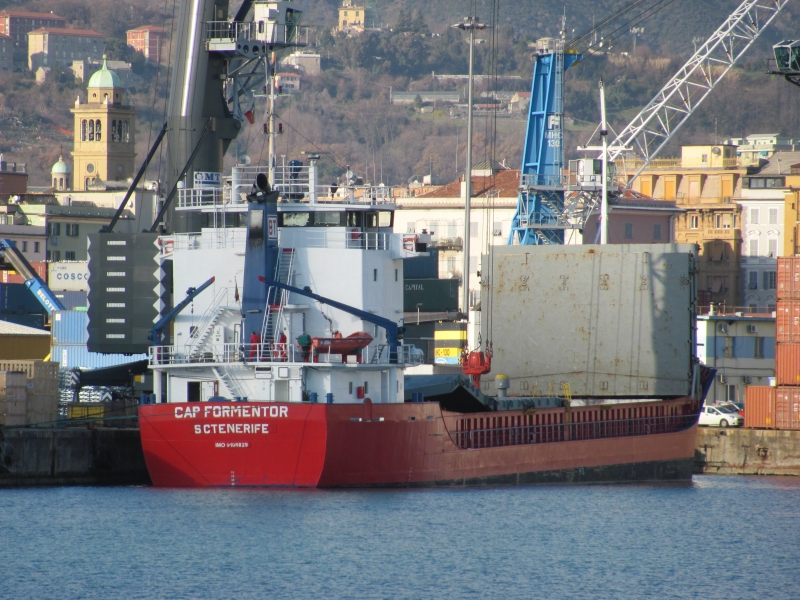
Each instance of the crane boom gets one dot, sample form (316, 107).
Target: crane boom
(657, 122)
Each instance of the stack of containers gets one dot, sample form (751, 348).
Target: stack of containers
(40, 380)
(13, 398)
(70, 334)
(781, 409)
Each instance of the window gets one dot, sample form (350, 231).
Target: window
(773, 216)
(773, 248)
(84, 129)
(753, 216)
(769, 280)
(56, 229)
(56, 254)
(657, 231)
(97, 130)
(728, 348)
(69, 255)
(718, 221)
(752, 280)
(753, 248)
(628, 231)
(114, 130)
(473, 229)
(36, 246)
(411, 228)
(730, 393)
(497, 229)
(758, 349)
(91, 130)
(694, 222)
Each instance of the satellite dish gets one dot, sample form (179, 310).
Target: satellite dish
(716, 151)
(244, 160)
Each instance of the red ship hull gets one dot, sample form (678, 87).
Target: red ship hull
(399, 445)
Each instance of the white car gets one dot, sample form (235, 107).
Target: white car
(720, 416)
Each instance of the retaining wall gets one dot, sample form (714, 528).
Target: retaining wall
(739, 451)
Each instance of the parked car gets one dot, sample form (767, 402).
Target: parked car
(720, 416)
(737, 406)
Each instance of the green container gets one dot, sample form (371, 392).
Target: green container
(432, 295)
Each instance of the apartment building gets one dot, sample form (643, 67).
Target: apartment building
(17, 24)
(149, 40)
(48, 46)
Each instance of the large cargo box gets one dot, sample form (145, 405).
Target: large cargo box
(787, 364)
(16, 298)
(71, 357)
(70, 327)
(102, 413)
(14, 277)
(73, 300)
(13, 407)
(35, 321)
(759, 406)
(788, 278)
(787, 321)
(433, 295)
(614, 320)
(787, 408)
(33, 369)
(42, 408)
(12, 379)
(422, 267)
(69, 275)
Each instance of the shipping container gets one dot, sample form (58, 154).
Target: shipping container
(759, 406)
(788, 278)
(787, 364)
(619, 319)
(422, 267)
(69, 275)
(787, 321)
(102, 413)
(72, 357)
(787, 408)
(73, 300)
(24, 347)
(432, 295)
(14, 277)
(34, 321)
(69, 327)
(16, 298)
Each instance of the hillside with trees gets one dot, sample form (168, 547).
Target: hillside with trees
(345, 111)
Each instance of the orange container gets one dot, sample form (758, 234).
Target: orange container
(759, 406)
(787, 364)
(14, 277)
(787, 408)
(787, 321)
(789, 277)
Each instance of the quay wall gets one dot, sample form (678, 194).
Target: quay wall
(71, 456)
(741, 451)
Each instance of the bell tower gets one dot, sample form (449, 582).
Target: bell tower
(105, 129)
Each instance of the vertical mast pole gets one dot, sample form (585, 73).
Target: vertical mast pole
(271, 134)
(468, 176)
(604, 167)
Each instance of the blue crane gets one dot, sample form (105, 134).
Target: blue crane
(10, 254)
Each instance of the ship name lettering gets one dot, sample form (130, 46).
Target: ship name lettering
(220, 428)
(243, 410)
(190, 412)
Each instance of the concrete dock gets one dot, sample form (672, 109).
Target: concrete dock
(71, 456)
(738, 451)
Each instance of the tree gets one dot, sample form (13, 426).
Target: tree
(417, 102)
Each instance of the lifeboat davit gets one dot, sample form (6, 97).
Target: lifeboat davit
(346, 346)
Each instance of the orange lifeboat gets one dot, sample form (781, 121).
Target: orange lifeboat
(346, 346)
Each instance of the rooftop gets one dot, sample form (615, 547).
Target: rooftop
(503, 184)
(153, 28)
(780, 163)
(73, 32)
(30, 15)
(7, 328)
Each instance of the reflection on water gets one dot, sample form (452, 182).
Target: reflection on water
(716, 537)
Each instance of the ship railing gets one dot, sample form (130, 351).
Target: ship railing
(211, 239)
(230, 30)
(468, 436)
(269, 352)
(199, 198)
(334, 238)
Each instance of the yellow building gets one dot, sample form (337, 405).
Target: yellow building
(104, 133)
(50, 46)
(351, 16)
(704, 182)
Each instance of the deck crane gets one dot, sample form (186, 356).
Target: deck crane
(548, 203)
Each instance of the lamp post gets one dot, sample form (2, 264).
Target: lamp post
(468, 24)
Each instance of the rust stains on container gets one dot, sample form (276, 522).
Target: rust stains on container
(787, 408)
(789, 278)
(787, 322)
(759, 406)
(787, 364)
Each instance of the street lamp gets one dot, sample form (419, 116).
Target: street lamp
(468, 24)
(419, 305)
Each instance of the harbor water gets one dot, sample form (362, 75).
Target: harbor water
(716, 537)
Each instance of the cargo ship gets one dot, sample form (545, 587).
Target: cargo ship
(299, 380)
(285, 366)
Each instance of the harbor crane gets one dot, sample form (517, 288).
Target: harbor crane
(550, 203)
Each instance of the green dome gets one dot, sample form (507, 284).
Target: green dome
(105, 78)
(60, 168)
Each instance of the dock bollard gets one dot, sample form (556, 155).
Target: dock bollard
(313, 396)
(329, 398)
